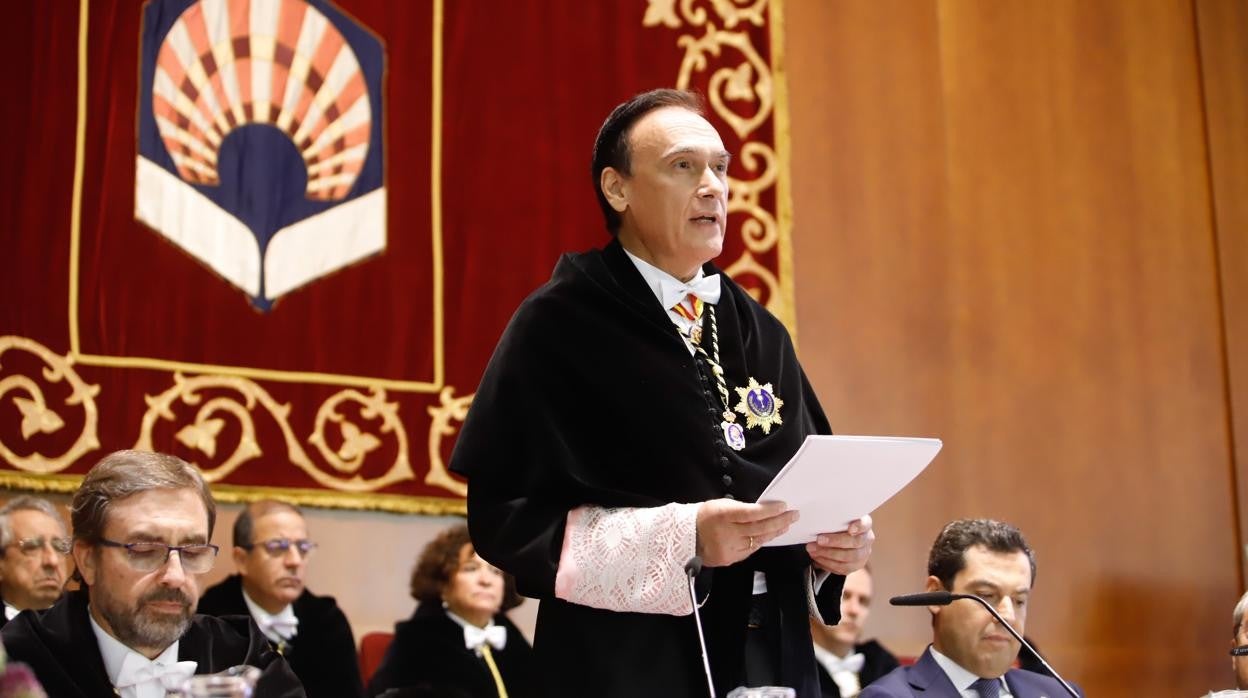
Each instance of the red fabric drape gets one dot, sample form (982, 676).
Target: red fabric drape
(348, 390)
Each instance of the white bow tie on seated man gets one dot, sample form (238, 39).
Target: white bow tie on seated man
(140, 677)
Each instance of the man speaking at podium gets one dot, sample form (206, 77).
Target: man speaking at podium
(634, 409)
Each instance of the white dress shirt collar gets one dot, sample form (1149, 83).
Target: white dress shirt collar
(655, 276)
(669, 291)
(10, 612)
(278, 627)
(496, 635)
(114, 654)
(961, 678)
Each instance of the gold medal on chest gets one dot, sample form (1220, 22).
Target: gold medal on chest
(760, 406)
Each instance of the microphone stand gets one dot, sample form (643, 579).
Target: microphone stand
(944, 598)
(692, 568)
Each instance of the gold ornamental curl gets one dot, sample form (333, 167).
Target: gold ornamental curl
(664, 12)
(38, 417)
(450, 409)
(202, 434)
(735, 82)
(759, 231)
(745, 266)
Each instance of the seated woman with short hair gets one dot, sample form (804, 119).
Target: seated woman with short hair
(458, 643)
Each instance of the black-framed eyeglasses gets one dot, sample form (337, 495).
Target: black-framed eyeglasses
(31, 547)
(277, 547)
(196, 558)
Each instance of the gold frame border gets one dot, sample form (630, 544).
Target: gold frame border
(172, 365)
(784, 177)
(233, 494)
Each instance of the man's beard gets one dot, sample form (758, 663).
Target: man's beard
(141, 627)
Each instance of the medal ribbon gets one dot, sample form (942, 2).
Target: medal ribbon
(716, 369)
(684, 310)
(488, 656)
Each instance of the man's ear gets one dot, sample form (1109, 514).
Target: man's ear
(615, 187)
(933, 584)
(84, 559)
(240, 556)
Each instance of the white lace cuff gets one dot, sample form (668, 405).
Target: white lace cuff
(628, 559)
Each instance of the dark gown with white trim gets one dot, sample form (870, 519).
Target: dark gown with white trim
(592, 398)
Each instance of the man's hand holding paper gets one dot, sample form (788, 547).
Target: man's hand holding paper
(728, 531)
(845, 551)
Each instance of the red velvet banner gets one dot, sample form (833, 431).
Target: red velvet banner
(279, 238)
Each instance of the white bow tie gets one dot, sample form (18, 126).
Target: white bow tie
(474, 637)
(705, 288)
(137, 670)
(284, 628)
(853, 663)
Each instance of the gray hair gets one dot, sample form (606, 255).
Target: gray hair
(127, 473)
(1237, 616)
(25, 503)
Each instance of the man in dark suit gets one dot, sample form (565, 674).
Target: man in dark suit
(971, 653)
(142, 524)
(845, 662)
(271, 549)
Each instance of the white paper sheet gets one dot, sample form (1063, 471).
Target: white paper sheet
(833, 480)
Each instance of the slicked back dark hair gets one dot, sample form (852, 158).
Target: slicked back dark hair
(611, 148)
(948, 555)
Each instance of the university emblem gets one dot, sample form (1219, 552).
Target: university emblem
(260, 139)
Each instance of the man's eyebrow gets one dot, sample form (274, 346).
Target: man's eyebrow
(688, 149)
(142, 536)
(985, 584)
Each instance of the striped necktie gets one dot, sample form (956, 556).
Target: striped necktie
(691, 309)
(988, 688)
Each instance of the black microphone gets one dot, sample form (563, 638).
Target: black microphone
(927, 598)
(944, 598)
(692, 568)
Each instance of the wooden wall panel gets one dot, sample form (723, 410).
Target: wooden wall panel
(1223, 32)
(1003, 238)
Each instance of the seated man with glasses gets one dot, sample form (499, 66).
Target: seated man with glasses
(34, 562)
(142, 524)
(271, 549)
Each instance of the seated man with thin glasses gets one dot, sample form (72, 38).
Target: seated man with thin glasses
(142, 523)
(34, 560)
(271, 549)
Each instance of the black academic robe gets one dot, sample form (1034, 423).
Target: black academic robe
(60, 647)
(428, 655)
(592, 398)
(876, 662)
(322, 654)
